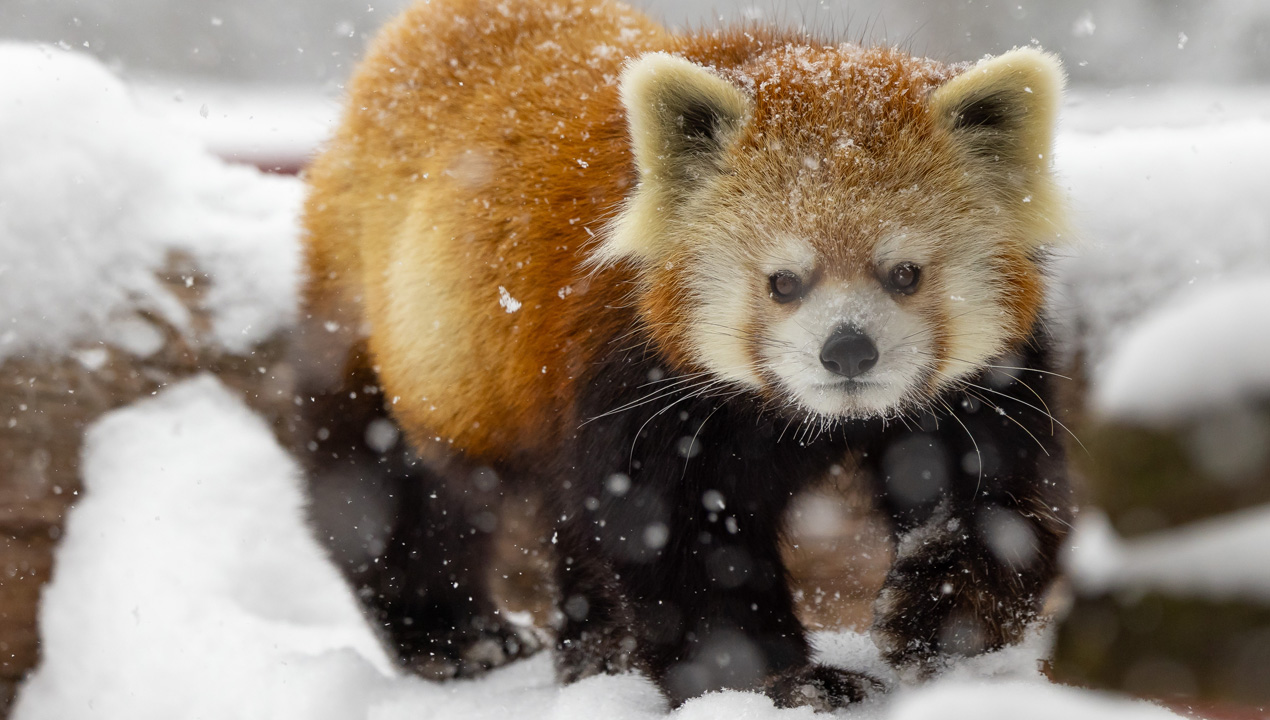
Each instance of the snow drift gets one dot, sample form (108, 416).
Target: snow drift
(96, 199)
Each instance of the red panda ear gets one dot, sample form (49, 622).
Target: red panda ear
(1003, 112)
(682, 118)
(1004, 109)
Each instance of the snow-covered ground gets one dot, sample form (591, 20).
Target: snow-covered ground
(187, 585)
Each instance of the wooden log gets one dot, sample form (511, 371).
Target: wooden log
(1149, 478)
(1197, 651)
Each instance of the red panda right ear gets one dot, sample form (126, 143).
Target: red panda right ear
(680, 114)
(682, 117)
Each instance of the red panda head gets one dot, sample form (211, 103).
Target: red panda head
(844, 231)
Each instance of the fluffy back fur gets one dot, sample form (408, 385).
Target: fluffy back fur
(700, 162)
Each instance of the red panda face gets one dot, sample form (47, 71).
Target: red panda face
(843, 232)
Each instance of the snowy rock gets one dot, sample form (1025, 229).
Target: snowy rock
(96, 199)
(1219, 559)
(1207, 348)
(1157, 209)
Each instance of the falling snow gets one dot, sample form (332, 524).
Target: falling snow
(188, 585)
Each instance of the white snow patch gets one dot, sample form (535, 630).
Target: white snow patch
(95, 197)
(188, 586)
(1208, 348)
(261, 125)
(1020, 699)
(1093, 109)
(1158, 209)
(1219, 559)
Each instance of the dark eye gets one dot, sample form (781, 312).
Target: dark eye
(786, 286)
(904, 278)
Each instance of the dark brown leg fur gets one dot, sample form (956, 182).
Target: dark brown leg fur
(413, 541)
(979, 522)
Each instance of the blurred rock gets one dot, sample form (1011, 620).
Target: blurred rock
(1150, 477)
(1199, 652)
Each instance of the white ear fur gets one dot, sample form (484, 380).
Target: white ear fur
(681, 118)
(1006, 107)
(677, 111)
(1004, 112)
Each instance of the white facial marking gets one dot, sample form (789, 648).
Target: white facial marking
(723, 306)
(790, 340)
(794, 351)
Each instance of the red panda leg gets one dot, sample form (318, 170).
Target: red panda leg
(429, 591)
(669, 557)
(414, 541)
(979, 522)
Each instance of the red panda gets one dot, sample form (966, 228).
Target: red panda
(666, 281)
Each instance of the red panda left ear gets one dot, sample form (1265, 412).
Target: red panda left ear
(1004, 109)
(682, 118)
(1003, 112)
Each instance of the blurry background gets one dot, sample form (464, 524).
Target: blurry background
(259, 81)
(316, 42)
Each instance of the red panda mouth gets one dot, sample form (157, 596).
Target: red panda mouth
(848, 384)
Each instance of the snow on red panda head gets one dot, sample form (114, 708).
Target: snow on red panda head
(846, 231)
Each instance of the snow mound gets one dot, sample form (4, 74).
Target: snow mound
(1018, 699)
(1218, 559)
(188, 586)
(1208, 348)
(1158, 209)
(96, 197)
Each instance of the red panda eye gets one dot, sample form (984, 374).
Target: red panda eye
(904, 278)
(785, 286)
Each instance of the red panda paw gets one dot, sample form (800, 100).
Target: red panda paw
(473, 652)
(927, 617)
(595, 652)
(820, 687)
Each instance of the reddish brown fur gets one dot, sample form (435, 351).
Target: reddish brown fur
(467, 132)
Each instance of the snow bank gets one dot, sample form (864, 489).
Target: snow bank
(188, 586)
(1219, 559)
(96, 197)
(1159, 209)
(1015, 699)
(1208, 348)
(265, 126)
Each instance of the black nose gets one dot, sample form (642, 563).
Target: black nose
(848, 352)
